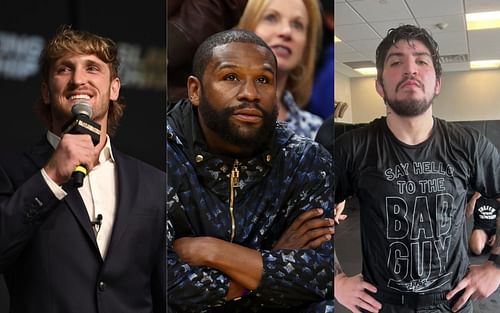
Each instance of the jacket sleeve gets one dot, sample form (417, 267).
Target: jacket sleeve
(23, 206)
(294, 277)
(190, 288)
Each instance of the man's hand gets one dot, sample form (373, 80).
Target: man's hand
(491, 241)
(469, 208)
(352, 293)
(308, 231)
(243, 265)
(72, 151)
(195, 251)
(479, 283)
(339, 208)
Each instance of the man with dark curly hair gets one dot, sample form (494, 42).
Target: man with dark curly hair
(411, 172)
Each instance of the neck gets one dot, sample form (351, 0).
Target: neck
(411, 130)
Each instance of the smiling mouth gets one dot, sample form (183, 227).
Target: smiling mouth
(79, 97)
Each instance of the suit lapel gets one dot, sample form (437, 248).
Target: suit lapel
(128, 178)
(41, 153)
(75, 203)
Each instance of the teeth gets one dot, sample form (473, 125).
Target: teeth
(282, 49)
(86, 97)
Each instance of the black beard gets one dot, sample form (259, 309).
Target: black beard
(219, 122)
(409, 108)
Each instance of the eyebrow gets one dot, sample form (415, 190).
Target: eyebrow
(266, 67)
(399, 54)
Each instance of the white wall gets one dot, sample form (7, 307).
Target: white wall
(465, 96)
(343, 93)
(469, 96)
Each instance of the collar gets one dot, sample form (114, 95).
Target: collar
(105, 154)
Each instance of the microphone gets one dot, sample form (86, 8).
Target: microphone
(97, 223)
(82, 123)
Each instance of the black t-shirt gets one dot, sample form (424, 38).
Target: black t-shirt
(485, 213)
(412, 201)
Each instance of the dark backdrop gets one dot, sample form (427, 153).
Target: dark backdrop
(139, 30)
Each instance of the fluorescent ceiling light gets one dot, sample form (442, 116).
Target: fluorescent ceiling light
(367, 71)
(483, 20)
(336, 39)
(484, 64)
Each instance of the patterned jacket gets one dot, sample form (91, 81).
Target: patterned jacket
(290, 176)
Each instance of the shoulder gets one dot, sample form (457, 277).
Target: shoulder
(127, 161)
(456, 128)
(301, 150)
(459, 133)
(360, 133)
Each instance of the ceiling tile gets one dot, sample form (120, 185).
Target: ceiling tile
(428, 8)
(343, 48)
(455, 23)
(376, 11)
(345, 15)
(355, 32)
(366, 46)
(382, 27)
(349, 57)
(452, 43)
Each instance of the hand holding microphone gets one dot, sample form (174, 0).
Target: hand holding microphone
(82, 123)
(75, 153)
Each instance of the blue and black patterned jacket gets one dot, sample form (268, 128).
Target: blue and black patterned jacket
(290, 176)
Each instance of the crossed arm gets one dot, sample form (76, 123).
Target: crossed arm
(243, 265)
(206, 272)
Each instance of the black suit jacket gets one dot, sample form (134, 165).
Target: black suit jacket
(48, 251)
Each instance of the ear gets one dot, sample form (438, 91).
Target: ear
(437, 89)
(45, 93)
(114, 91)
(194, 90)
(379, 86)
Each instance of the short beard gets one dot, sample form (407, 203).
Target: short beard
(249, 142)
(408, 108)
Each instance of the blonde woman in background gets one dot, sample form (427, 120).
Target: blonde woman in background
(293, 29)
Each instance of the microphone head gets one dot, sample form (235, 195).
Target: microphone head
(82, 108)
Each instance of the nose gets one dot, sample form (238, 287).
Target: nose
(285, 29)
(249, 91)
(78, 77)
(411, 68)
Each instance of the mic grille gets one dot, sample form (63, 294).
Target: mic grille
(82, 108)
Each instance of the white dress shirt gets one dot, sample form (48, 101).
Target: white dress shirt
(99, 192)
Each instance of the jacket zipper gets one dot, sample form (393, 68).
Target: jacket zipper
(235, 179)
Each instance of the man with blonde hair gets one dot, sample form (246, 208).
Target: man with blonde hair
(98, 247)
